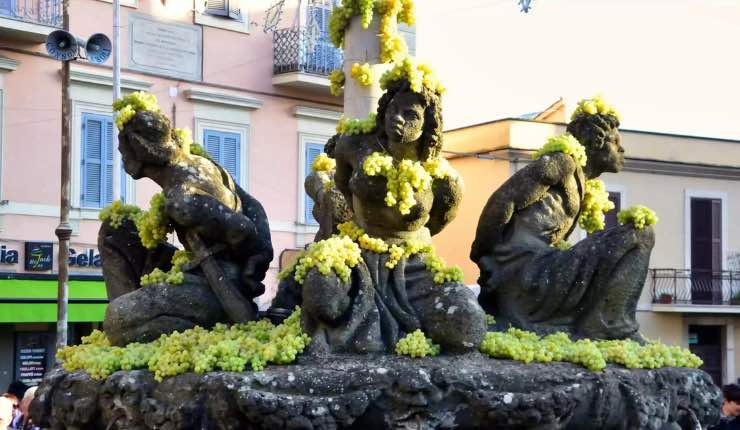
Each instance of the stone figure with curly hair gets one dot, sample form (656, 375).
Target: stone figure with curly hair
(378, 305)
(589, 290)
(202, 203)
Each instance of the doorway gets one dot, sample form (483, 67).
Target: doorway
(706, 342)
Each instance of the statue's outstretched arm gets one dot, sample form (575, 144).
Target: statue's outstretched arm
(524, 188)
(448, 193)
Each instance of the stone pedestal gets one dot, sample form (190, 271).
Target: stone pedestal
(366, 392)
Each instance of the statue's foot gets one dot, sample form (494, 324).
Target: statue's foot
(145, 314)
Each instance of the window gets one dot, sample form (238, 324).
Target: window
(226, 8)
(225, 148)
(97, 162)
(409, 35)
(610, 218)
(313, 150)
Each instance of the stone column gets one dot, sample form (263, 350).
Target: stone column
(362, 46)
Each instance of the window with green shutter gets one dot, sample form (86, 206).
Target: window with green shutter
(97, 162)
(225, 148)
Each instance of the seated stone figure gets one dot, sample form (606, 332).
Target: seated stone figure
(224, 229)
(591, 289)
(380, 302)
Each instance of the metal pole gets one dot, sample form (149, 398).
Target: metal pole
(64, 230)
(116, 95)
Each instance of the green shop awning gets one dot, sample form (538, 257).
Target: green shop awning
(34, 301)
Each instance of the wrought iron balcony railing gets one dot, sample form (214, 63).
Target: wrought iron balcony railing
(294, 51)
(44, 12)
(695, 287)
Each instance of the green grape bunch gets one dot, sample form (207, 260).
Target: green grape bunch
(417, 345)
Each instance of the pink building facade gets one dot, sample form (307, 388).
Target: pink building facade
(259, 100)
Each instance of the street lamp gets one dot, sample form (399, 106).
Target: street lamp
(63, 46)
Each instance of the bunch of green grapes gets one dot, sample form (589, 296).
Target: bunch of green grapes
(197, 149)
(418, 76)
(336, 82)
(117, 212)
(127, 106)
(407, 15)
(227, 348)
(439, 168)
(356, 126)
(362, 73)
(350, 229)
(373, 244)
(416, 344)
(402, 181)
(639, 216)
(174, 276)
(338, 254)
(566, 144)
(339, 20)
(595, 203)
(593, 106)
(154, 225)
(490, 319)
(442, 273)
(392, 46)
(366, 8)
(323, 163)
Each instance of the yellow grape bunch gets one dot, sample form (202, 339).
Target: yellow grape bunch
(117, 212)
(174, 276)
(639, 216)
(417, 345)
(593, 106)
(336, 82)
(338, 255)
(154, 225)
(355, 126)
(127, 106)
(566, 144)
(323, 163)
(362, 73)
(418, 76)
(595, 203)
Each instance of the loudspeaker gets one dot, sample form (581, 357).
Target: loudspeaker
(98, 48)
(62, 46)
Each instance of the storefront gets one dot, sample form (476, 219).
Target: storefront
(28, 305)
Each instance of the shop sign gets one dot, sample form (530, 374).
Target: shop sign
(87, 258)
(31, 354)
(8, 256)
(39, 256)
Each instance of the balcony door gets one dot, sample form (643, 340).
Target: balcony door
(706, 251)
(321, 57)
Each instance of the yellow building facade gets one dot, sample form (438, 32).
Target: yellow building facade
(692, 293)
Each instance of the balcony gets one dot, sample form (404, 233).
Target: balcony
(297, 64)
(682, 290)
(29, 20)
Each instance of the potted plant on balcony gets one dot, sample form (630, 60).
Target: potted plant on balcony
(665, 298)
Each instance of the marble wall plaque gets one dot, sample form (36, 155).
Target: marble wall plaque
(170, 49)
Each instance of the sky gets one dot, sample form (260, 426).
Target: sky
(669, 66)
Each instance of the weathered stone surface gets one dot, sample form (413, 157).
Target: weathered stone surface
(376, 392)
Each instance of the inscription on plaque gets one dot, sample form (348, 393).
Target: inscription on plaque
(165, 48)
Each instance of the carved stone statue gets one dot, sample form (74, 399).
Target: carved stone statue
(224, 229)
(379, 305)
(590, 290)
